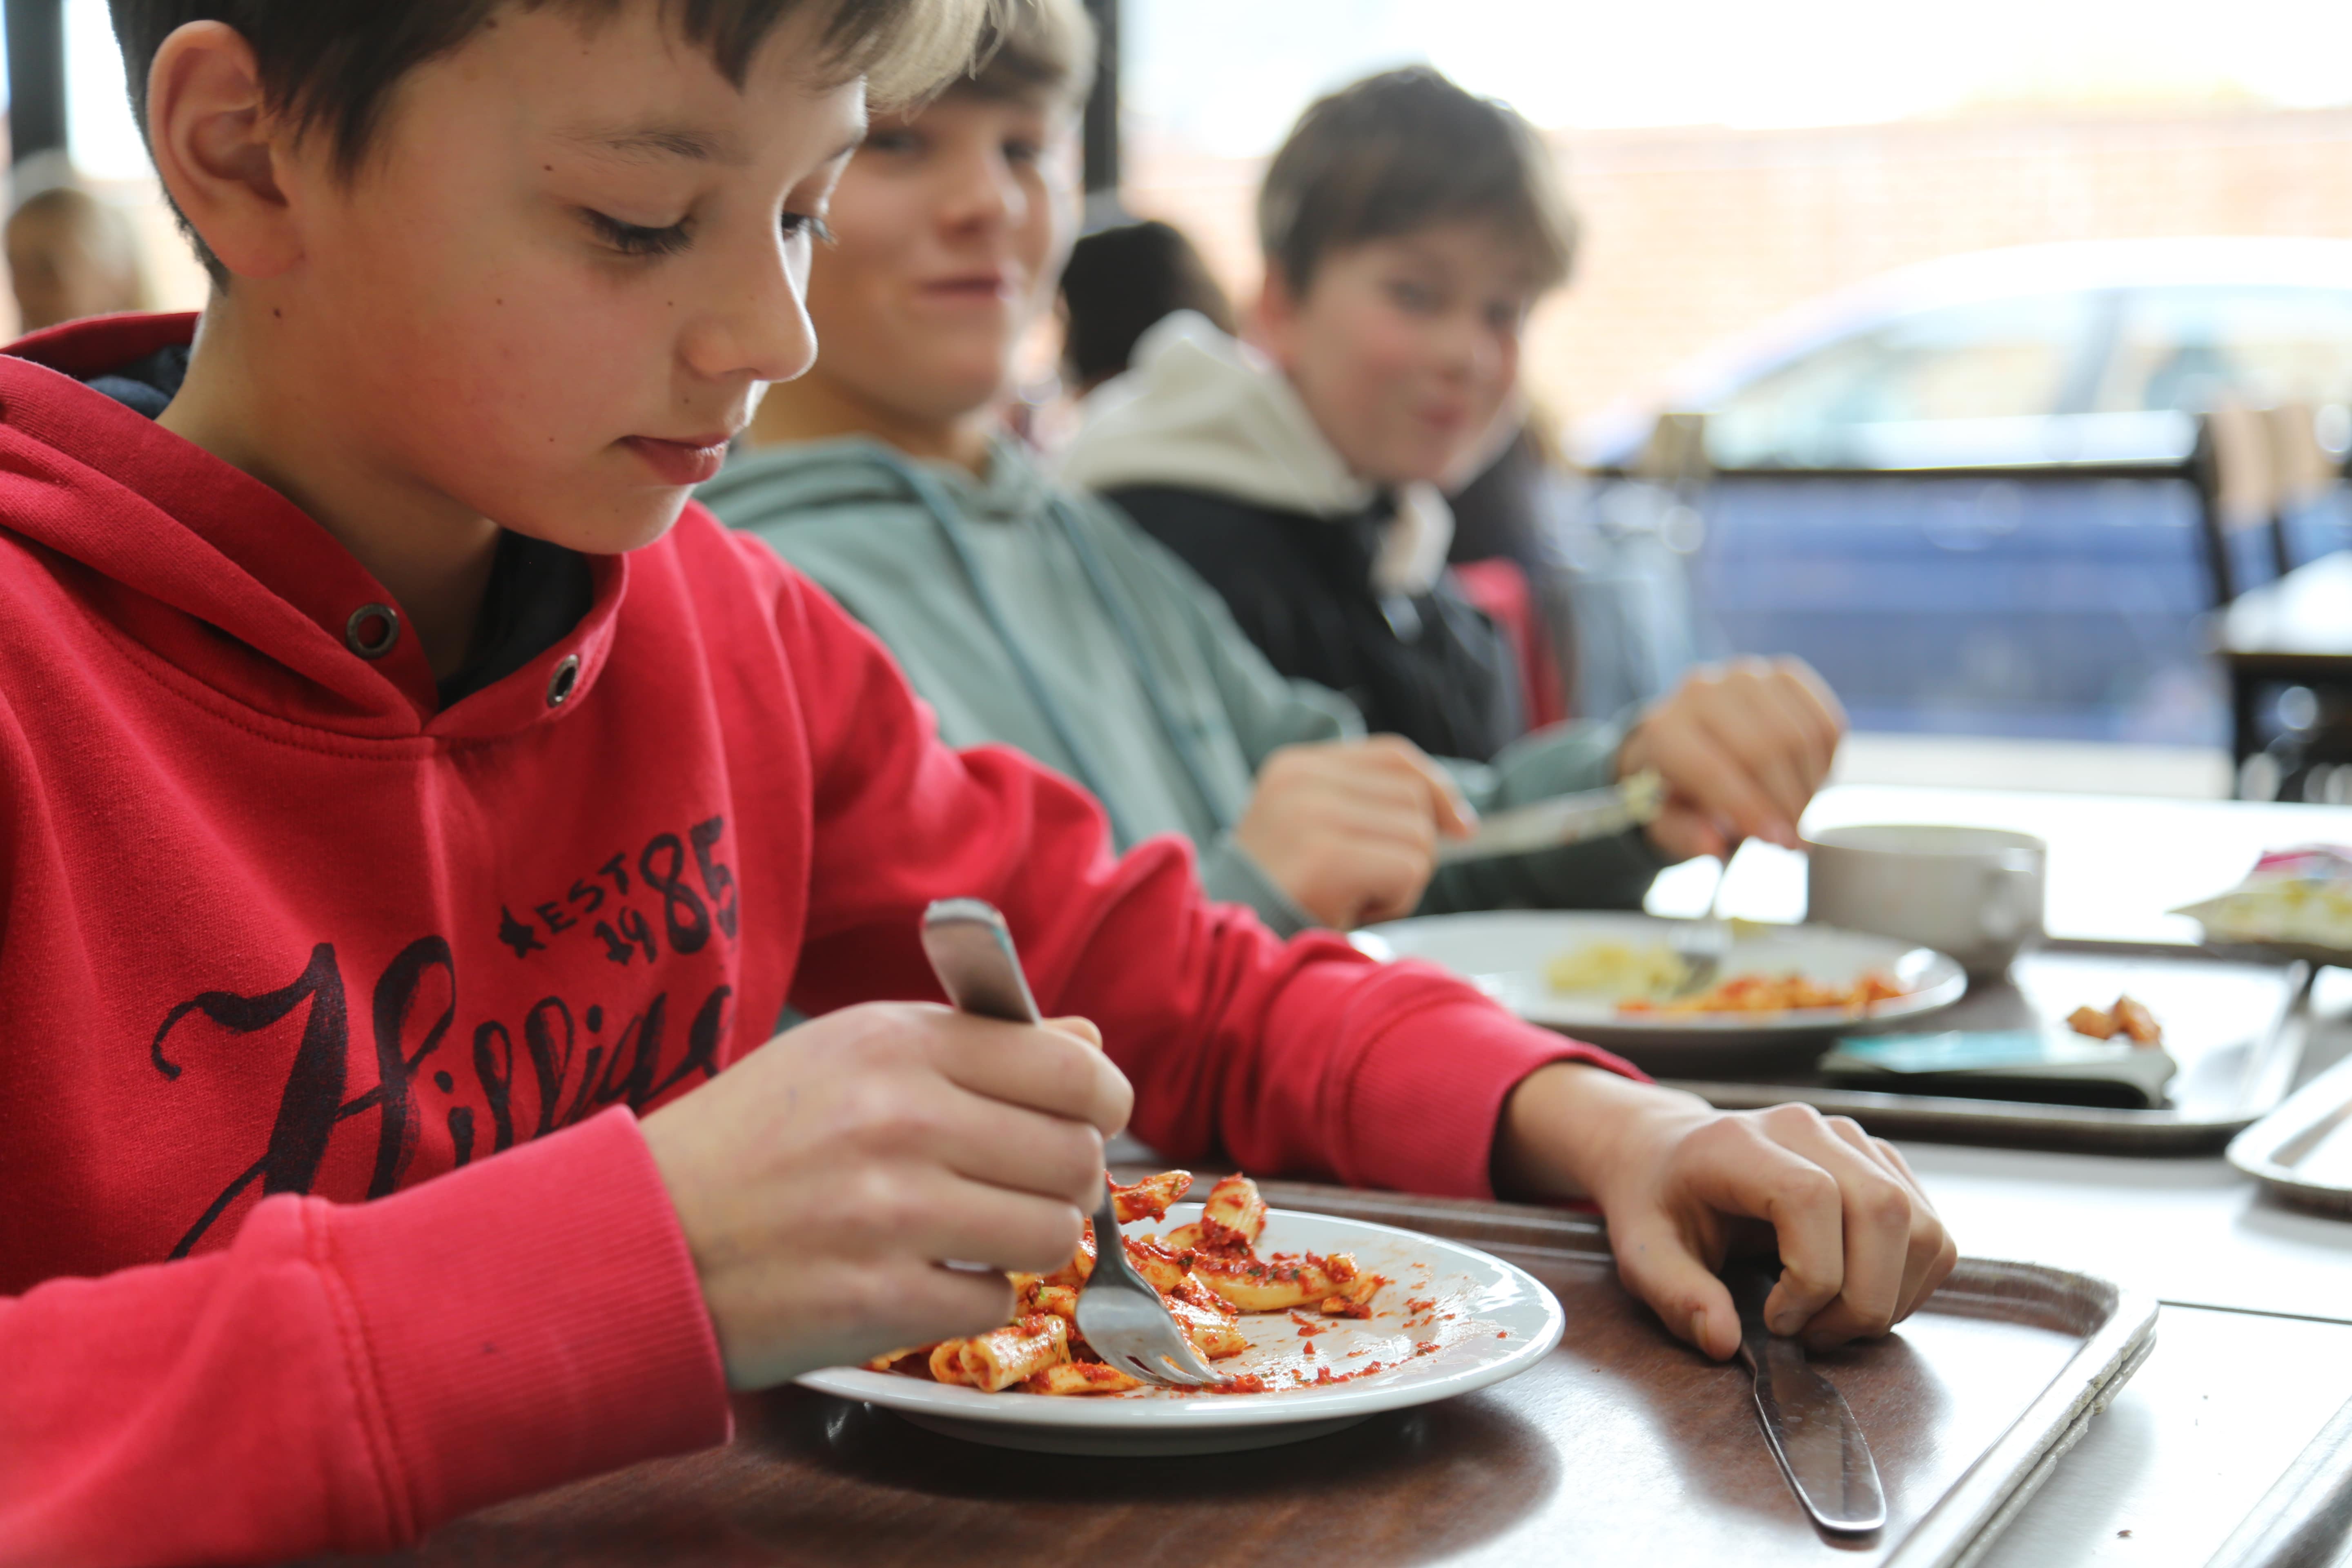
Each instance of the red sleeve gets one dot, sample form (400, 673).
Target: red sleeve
(345, 1377)
(1297, 1059)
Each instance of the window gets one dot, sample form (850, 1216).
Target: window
(1992, 359)
(2188, 349)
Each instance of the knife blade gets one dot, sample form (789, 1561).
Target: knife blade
(1563, 819)
(1812, 1434)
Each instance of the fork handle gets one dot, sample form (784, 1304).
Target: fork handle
(971, 953)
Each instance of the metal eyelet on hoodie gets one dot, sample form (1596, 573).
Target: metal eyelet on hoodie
(560, 683)
(372, 630)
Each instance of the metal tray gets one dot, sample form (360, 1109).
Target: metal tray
(2302, 1151)
(1968, 1408)
(2237, 1026)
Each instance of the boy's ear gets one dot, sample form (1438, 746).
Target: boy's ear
(1274, 322)
(211, 133)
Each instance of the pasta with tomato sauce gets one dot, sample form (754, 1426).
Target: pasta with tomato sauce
(1208, 1273)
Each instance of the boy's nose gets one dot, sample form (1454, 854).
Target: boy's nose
(985, 194)
(762, 330)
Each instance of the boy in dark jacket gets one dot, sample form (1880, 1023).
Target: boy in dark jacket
(1407, 228)
(402, 790)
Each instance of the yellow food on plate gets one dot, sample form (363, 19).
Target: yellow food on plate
(1621, 971)
(1789, 993)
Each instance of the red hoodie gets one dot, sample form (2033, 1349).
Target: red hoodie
(280, 936)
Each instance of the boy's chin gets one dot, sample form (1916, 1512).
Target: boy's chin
(626, 522)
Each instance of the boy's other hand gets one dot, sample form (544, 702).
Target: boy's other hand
(1349, 829)
(1684, 1186)
(825, 1180)
(1742, 747)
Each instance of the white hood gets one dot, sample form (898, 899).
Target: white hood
(1200, 411)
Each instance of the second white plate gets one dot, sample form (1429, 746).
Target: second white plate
(1504, 953)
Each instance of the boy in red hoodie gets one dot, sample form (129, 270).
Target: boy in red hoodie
(402, 791)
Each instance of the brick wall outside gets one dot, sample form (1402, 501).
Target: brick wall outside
(1695, 235)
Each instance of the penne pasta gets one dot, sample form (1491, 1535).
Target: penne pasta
(1080, 1377)
(1212, 1333)
(1234, 1215)
(1150, 1198)
(946, 1361)
(1267, 1285)
(1002, 1357)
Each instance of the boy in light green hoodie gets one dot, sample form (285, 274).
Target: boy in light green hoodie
(1035, 616)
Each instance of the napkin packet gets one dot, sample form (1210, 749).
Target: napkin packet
(2051, 1064)
(2301, 896)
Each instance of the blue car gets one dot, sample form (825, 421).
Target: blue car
(1955, 490)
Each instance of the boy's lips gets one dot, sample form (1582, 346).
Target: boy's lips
(687, 462)
(969, 287)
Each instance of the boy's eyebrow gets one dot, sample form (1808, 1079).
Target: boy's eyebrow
(677, 141)
(654, 139)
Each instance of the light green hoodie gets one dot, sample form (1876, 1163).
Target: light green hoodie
(1042, 618)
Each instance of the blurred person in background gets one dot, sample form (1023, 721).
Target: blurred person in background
(1122, 281)
(72, 255)
(1034, 616)
(1407, 228)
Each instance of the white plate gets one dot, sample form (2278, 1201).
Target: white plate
(1504, 1320)
(1504, 953)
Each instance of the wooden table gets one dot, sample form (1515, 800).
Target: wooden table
(2296, 631)
(2254, 1352)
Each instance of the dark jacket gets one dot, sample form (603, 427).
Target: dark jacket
(1430, 667)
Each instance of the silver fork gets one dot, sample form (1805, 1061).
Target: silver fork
(1704, 943)
(1120, 1314)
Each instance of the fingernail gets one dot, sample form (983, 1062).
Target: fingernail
(1785, 1321)
(1699, 1327)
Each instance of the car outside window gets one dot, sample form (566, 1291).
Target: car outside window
(2191, 348)
(2000, 359)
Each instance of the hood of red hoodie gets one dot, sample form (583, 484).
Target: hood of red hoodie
(224, 581)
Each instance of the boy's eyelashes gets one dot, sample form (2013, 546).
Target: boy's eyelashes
(1507, 315)
(810, 224)
(637, 240)
(898, 142)
(1413, 296)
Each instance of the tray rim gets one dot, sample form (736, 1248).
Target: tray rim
(2310, 1495)
(1963, 1523)
(2253, 1151)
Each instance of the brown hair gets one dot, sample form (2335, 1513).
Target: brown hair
(1402, 151)
(331, 65)
(1122, 281)
(1035, 51)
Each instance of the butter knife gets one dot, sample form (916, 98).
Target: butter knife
(1563, 819)
(1812, 1434)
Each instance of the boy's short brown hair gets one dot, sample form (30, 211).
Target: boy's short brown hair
(331, 65)
(1035, 51)
(1402, 151)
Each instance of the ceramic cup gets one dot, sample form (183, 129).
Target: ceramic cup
(1973, 892)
